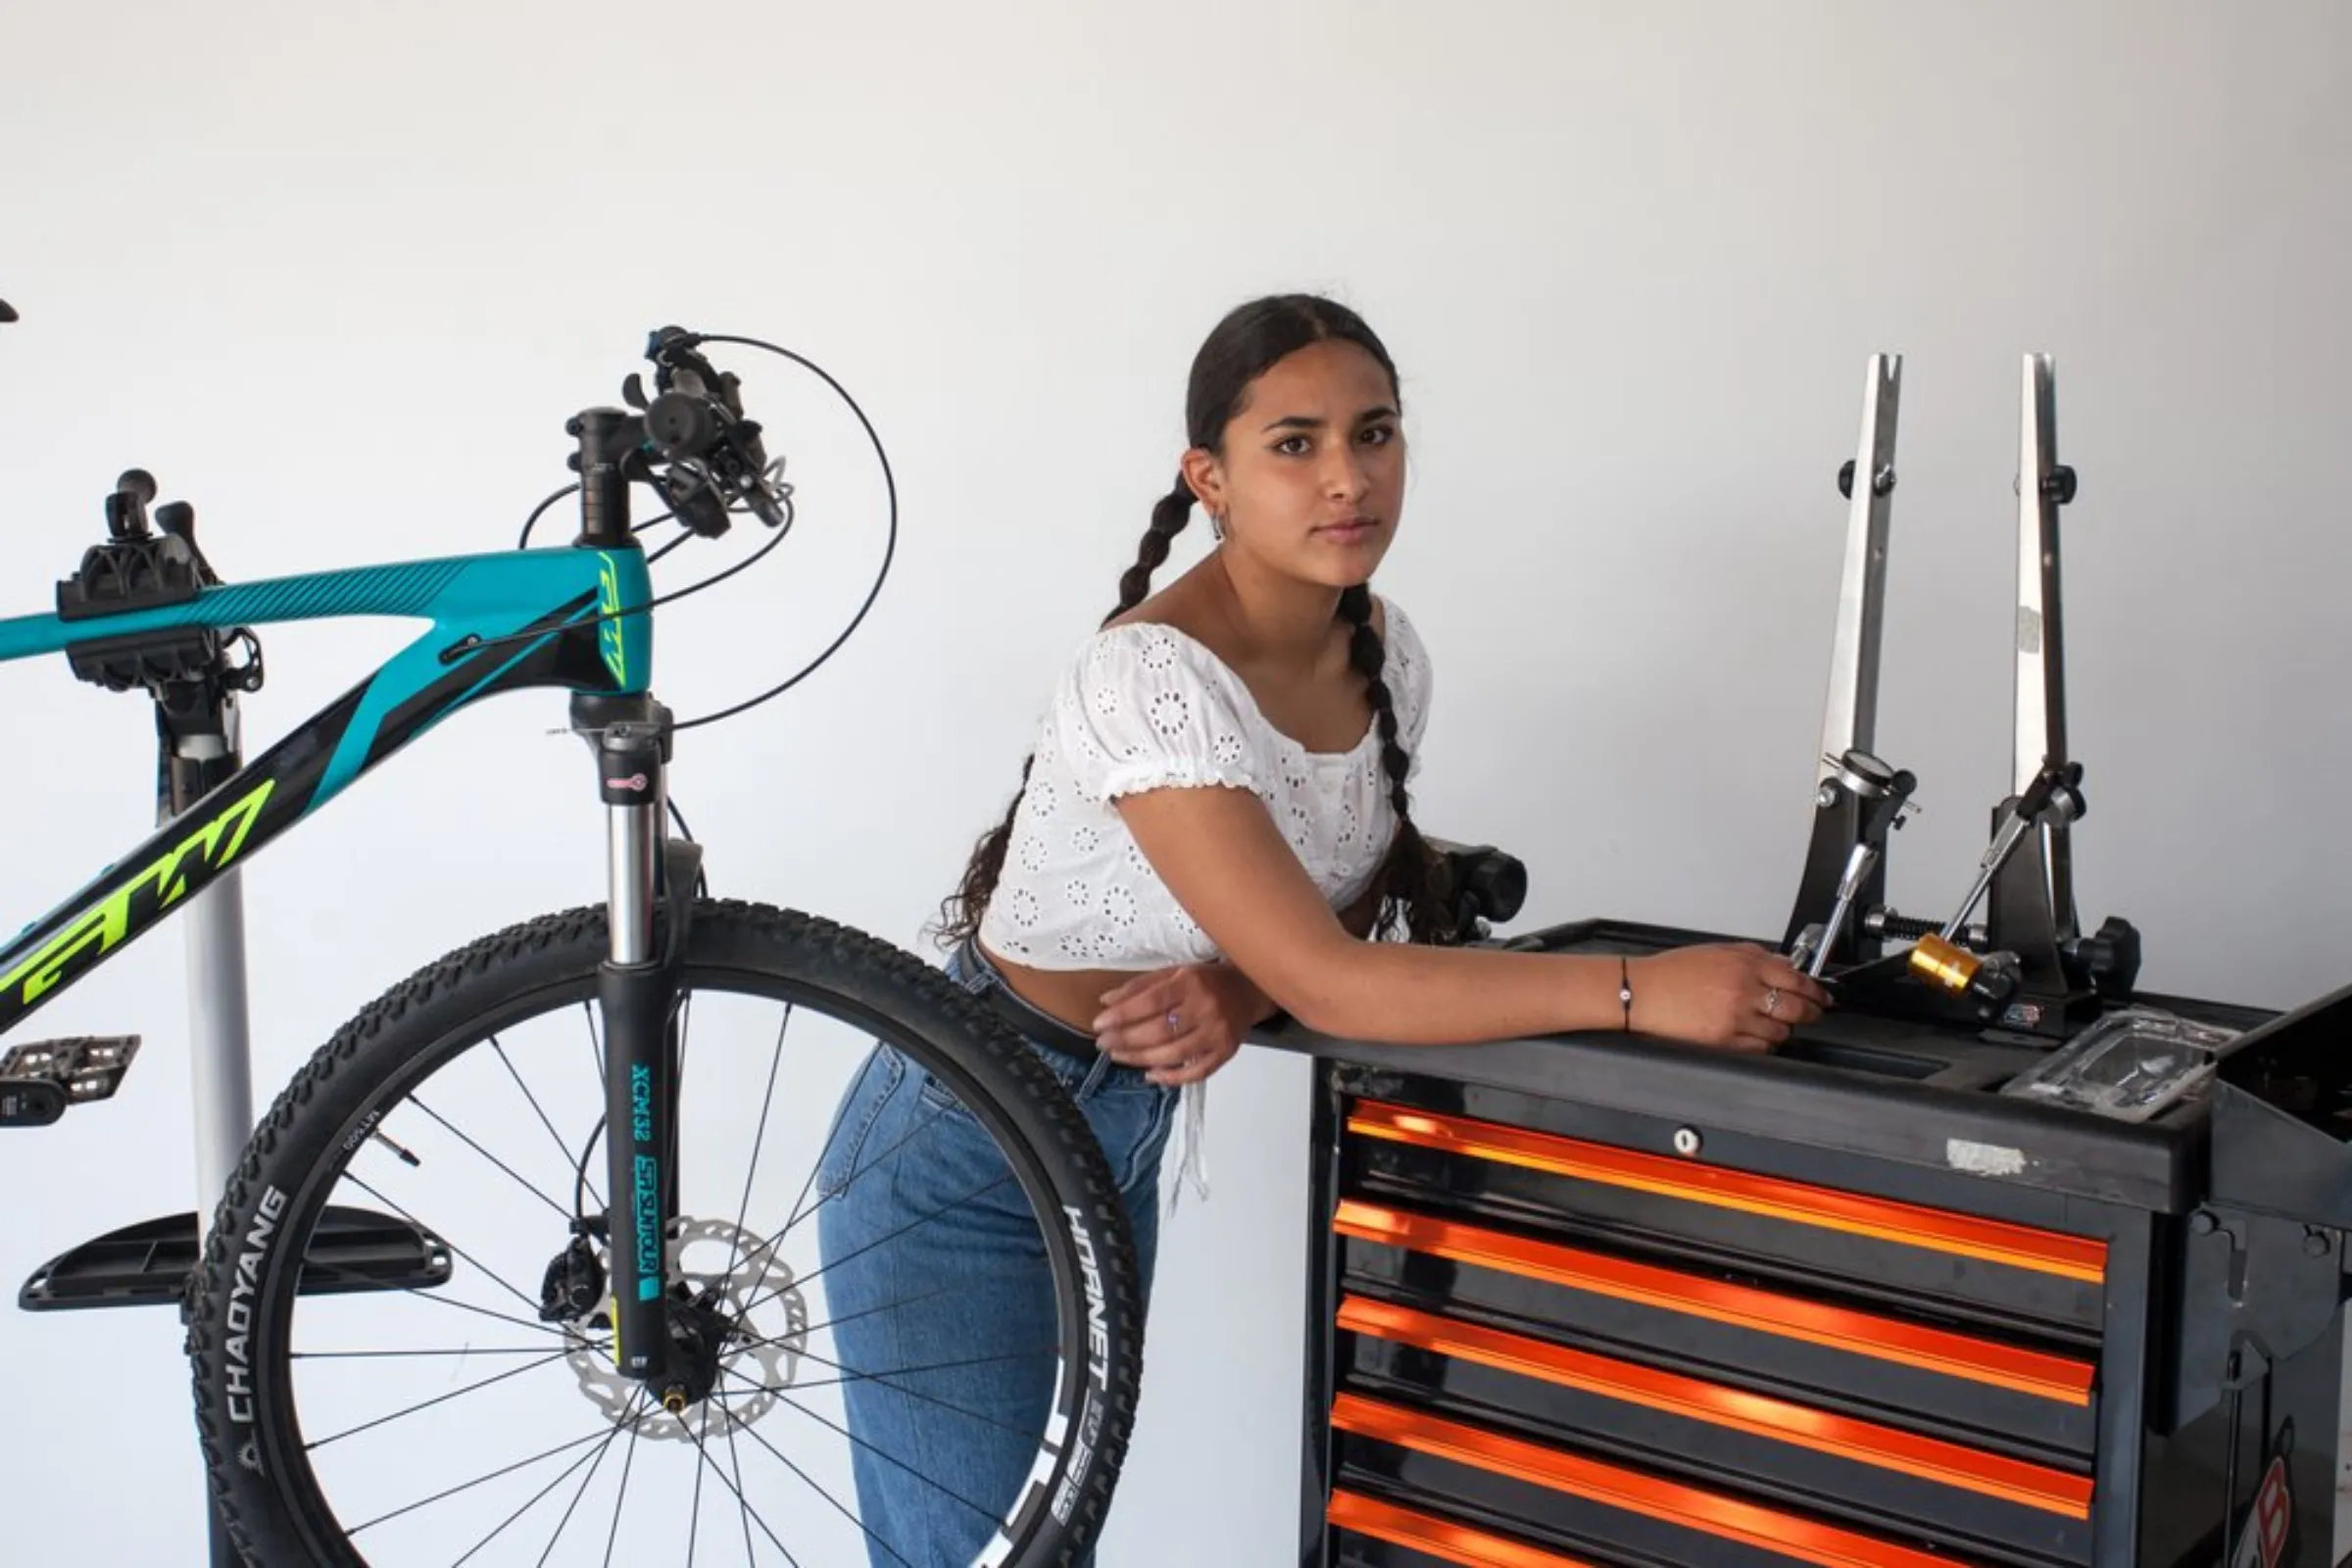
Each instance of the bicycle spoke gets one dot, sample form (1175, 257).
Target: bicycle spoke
(694, 1513)
(850, 1317)
(420, 1293)
(478, 1481)
(830, 1263)
(487, 1272)
(564, 1523)
(883, 1379)
(792, 1221)
(500, 1050)
(622, 1497)
(596, 1042)
(384, 1355)
(561, 1211)
(438, 1398)
(735, 1458)
(766, 1249)
(760, 1138)
(603, 1444)
(750, 1514)
(984, 1513)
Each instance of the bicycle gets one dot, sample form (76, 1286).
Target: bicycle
(655, 1344)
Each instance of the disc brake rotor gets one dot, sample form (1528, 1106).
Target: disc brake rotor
(744, 1293)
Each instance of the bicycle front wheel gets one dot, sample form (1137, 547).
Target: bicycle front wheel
(919, 1342)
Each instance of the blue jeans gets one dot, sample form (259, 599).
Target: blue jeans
(941, 1303)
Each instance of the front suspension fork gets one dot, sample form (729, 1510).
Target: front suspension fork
(637, 996)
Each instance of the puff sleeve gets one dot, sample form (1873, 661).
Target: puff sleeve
(1143, 707)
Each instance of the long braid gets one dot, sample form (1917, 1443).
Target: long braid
(960, 912)
(1408, 884)
(1169, 514)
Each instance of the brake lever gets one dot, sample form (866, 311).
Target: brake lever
(694, 497)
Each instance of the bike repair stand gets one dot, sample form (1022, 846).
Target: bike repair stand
(196, 751)
(2027, 968)
(194, 683)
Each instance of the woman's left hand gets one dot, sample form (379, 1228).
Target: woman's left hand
(1181, 1024)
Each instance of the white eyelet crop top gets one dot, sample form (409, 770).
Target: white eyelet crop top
(1144, 706)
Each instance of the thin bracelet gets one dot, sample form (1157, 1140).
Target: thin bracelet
(1625, 991)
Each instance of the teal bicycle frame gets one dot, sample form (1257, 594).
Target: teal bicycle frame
(145, 611)
(571, 616)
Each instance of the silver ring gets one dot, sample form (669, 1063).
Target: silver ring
(1772, 1000)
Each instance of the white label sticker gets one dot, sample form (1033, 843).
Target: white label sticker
(1984, 1159)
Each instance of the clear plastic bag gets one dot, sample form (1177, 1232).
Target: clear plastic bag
(2130, 1066)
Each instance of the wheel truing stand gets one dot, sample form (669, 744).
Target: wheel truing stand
(2029, 967)
(1850, 722)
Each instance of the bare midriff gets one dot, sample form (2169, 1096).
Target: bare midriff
(1074, 996)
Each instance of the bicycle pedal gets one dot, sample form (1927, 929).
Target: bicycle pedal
(41, 1081)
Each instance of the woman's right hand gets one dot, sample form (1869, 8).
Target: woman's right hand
(1733, 995)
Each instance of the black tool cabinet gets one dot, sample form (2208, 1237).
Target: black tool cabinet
(1603, 1301)
(1612, 1302)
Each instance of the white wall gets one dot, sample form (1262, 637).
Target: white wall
(337, 274)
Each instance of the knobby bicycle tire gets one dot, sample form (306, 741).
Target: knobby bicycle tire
(244, 1288)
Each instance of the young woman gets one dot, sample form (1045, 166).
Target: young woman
(1214, 827)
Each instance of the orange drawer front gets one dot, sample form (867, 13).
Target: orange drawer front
(1441, 1539)
(1708, 1513)
(2072, 1257)
(2040, 1374)
(1932, 1459)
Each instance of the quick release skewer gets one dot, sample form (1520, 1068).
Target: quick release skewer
(1890, 789)
(2055, 798)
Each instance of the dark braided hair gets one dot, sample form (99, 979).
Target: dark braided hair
(1251, 339)
(1409, 887)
